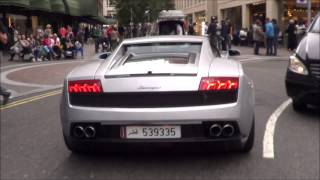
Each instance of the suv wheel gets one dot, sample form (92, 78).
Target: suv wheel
(299, 106)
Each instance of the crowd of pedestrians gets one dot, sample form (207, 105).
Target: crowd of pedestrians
(46, 45)
(271, 35)
(221, 35)
(68, 42)
(268, 34)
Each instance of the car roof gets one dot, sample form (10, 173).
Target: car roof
(169, 38)
(313, 22)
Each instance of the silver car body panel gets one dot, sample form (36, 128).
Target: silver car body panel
(241, 111)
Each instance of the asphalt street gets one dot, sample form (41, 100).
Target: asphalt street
(32, 145)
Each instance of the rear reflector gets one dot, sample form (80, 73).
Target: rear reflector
(85, 86)
(219, 83)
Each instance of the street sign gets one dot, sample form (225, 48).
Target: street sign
(302, 2)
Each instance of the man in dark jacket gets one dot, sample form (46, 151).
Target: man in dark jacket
(212, 31)
(224, 35)
(276, 36)
(292, 37)
(191, 29)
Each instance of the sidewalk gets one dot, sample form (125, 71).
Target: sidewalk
(88, 53)
(245, 50)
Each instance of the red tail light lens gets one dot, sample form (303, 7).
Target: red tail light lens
(85, 86)
(219, 83)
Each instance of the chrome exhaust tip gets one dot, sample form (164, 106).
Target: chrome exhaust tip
(228, 130)
(89, 132)
(78, 131)
(215, 130)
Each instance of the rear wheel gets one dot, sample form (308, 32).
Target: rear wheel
(74, 147)
(250, 141)
(299, 106)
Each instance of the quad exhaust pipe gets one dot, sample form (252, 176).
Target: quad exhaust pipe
(228, 130)
(80, 132)
(216, 130)
(89, 132)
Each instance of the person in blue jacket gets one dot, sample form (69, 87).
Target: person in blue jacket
(270, 36)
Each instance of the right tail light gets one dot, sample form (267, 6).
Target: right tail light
(219, 83)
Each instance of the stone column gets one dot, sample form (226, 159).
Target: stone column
(272, 7)
(193, 17)
(245, 16)
(212, 9)
(34, 24)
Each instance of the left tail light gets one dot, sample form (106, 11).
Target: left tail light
(219, 83)
(84, 86)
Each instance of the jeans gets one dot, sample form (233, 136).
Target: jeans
(257, 45)
(270, 43)
(36, 54)
(77, 50)
(229, 41)
(96, 44)
(275, 46)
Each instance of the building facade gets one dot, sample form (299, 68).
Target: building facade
(244, 12)
(197, 11)
(108, 9)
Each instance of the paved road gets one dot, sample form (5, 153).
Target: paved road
(32, 146)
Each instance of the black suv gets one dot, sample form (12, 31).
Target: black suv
(303, 74)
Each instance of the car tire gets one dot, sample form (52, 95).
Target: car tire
(74, 147)
(299, 106)
(248, 145)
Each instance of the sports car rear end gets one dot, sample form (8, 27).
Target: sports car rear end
(160, 90)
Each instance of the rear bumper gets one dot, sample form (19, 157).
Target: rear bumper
(189, 116)
(305, 89)
(175, 145)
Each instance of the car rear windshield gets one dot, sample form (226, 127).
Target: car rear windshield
(163, 48)
(157, 53)
(316, 26)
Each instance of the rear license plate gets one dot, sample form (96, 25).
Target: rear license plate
(152, 132)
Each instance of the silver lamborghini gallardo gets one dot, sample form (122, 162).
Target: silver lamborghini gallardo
(159, 90)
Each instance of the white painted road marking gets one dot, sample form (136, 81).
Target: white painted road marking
(268, 139)
(259, 59)
(40, 87)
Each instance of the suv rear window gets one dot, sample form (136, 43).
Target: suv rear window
(316, 26)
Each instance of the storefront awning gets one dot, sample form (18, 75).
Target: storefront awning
(20, 3)
(43, 5)
(57, 6)
(73, 7)
(88, 8)
(100, 19)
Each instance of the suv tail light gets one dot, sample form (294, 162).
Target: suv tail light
(85, 86)
(219, 83)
